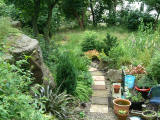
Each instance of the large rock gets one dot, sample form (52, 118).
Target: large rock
(114, 75)
(23, 45)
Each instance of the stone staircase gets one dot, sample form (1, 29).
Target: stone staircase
(99, 109)
(99, 102)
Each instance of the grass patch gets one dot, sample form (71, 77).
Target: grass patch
(72, 38)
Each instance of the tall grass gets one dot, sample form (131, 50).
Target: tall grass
(138, 48)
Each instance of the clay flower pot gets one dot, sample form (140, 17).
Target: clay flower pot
(116, 88)
(121, 104)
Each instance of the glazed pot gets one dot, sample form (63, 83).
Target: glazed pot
(116, 88)
(143, 91)
(121, 104)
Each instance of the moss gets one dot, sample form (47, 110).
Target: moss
(6, 31)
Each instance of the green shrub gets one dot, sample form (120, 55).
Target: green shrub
(66, 72)
(61, 105)
(136, 17)
(8, 10)
(89, 42)
(154, 67)
(15, 103)
(83, 92)
(109, 42)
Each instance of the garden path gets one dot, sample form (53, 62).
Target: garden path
(99, 109)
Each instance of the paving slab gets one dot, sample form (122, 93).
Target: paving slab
(99, 82)
(91, 69)
(99, 100)
(97, 73)
(99, 108)
(98, 78)
(99, 87)
(100, 93)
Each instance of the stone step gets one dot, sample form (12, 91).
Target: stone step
(99, 85)
(98, 108)
(98, 78)
(99, 100)
(97, 73)
(100, 93)
(91, 69)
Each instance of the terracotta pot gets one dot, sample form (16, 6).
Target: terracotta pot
(121, 104)
(122, 116)
(116, 88)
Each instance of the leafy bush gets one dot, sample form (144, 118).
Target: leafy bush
(15, 103)
(154, 67)
(83, 92)
(135, 18)
(89, 42)
(61, 105)
(8, 10)
(109, 42)
(66, 72)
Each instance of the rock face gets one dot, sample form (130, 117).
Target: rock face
(114, 75)
(23, 45)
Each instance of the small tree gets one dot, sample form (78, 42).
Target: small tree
(75, 9)
(154, 5)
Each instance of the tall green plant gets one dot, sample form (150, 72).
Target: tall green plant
(66, 72)
(15, 103)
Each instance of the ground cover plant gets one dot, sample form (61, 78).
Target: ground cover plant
(15, 101)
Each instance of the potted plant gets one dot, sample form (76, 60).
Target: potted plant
(144, 84)
(122, 114)
(149, 115)
(137, 101)
(116, 88)
(121, 104)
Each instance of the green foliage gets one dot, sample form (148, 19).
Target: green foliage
(137, 98)
(66, 72)
(61, 105)
(8, 10)
(137, 49)
(135, 18)
(89, 42)
(153, 68)
(5, 31)
(83, 91)
(146, 82)
(109, 43)
(15, 103)
(122, 112)
(78, 6)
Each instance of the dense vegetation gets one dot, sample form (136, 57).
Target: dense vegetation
(71, 34)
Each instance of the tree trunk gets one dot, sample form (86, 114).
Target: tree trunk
(156, 21)
(48, 22)
(35, 17)
(93, 15)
